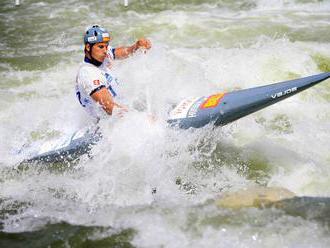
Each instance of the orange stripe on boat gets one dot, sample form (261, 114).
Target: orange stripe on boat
(212, 101)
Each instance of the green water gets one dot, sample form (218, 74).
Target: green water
(148, 186)
(65, 235)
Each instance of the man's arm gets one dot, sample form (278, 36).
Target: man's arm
(125, 52)
(104, 98)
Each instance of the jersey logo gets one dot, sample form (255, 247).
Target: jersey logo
(79, 98)
(96, 82)
(108, 77)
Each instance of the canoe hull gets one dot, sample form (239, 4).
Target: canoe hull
(223, 108)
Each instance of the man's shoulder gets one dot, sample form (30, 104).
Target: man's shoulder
(86, 69)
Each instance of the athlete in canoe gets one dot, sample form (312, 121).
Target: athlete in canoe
(96, 86)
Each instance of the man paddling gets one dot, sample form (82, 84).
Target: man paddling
(96, 87)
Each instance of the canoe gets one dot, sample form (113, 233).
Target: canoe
(218, 109)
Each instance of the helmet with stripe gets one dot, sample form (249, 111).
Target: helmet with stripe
(96, 34)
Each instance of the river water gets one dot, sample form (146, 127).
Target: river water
(199, 48)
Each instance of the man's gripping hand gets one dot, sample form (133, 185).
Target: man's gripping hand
(143, 43)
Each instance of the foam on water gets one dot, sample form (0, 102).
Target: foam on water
(189, 168)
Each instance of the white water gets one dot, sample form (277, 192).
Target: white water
(114, 188)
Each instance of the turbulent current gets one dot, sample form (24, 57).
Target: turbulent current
(145, 184)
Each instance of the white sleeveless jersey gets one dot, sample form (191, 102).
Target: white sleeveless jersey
(91, 78)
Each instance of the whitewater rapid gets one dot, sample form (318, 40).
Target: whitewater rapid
(199, 48)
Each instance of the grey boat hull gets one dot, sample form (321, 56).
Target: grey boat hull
(224, 108)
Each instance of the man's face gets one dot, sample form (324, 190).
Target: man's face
(99, 51)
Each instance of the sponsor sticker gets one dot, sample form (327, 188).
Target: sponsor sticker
(283, 93)
(212, 101)
(106, 37)
(181, 110)
(193, 110)
(90, 39)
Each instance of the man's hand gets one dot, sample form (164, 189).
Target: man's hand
(152, 118)
(143, 43)
(125, 52)
(119, 110)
